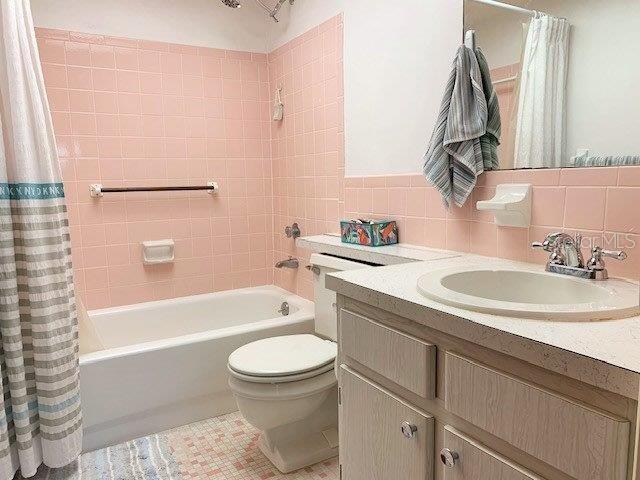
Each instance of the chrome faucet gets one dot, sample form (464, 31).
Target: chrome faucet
(288, 263)
(565, 257)
(292, 231)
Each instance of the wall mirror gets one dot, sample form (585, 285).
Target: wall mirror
(566, 74)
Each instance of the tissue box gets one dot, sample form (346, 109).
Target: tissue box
(374, 233)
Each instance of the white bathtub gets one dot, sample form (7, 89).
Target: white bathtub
(163, 364)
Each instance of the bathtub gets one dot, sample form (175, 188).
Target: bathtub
(153, 366)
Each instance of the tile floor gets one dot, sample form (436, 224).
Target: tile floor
(226, 448)
(222, 448)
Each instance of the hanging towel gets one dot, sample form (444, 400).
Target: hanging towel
(491, 139)
(587, 160)
(454, 158)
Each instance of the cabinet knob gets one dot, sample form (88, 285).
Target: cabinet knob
(448, 457)
(408, 430)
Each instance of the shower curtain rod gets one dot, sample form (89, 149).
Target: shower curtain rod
(507, 6)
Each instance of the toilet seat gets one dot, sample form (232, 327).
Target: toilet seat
(283, 359)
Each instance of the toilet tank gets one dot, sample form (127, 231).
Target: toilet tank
(326, 318)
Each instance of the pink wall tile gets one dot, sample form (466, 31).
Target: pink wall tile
(585, 207)
(134, 112)
(128, 111)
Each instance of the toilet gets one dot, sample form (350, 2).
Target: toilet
(286, 387)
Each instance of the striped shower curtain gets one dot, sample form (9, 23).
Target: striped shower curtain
(40, 416)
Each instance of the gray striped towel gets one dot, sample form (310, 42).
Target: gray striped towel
(455, 156)
(491, 139)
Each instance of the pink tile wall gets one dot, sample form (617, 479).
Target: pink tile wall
(601, 203)
(136, 112)
(309, 183)
(129, 112)
(307, 146)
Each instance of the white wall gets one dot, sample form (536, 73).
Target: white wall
(603, 104)
(302, 16)
(398, 56)
(193, 22)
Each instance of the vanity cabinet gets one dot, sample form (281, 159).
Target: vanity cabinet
(382, 437)
(466, 459)
(475, 414)
(388, 352)
(575, 438)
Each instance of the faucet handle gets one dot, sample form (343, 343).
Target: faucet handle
(615, 254)
(596, 263)
(546, 245)
(597, 253)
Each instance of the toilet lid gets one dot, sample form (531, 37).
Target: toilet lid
(281, 356)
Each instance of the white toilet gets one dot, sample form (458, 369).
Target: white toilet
(286, 386)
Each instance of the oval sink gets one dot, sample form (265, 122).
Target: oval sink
(533, 294)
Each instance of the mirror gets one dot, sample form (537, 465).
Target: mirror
(566, 74)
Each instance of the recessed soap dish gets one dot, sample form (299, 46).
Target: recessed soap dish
(511, 205)
(158, 251)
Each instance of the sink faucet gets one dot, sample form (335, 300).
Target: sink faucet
(289, 263)
(566, 257)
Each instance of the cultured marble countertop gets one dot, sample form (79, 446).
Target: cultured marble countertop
(602, 353)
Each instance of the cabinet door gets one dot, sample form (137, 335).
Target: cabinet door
(466, 459)
(381, 437)
(581, 441)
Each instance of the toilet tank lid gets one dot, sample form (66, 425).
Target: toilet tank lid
(280, 356)
(335, 263)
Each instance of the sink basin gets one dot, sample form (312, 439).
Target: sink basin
(532, 294)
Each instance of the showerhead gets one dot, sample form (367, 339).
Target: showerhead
(273, 12)
(232, 3)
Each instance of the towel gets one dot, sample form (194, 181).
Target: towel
(490, 141)
(604, 161)
(455, 159)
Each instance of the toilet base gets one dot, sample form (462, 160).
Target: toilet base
(298, 421)
(299, 452)
(302, 443)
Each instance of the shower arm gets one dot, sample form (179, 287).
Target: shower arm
(276, 9)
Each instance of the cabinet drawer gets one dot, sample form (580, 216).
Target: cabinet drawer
(381, 437)
(474, 461)
(585, 443)
(405, 360)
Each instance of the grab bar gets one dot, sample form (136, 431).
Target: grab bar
(96, 190)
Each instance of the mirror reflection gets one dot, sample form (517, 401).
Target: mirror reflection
(566, 79)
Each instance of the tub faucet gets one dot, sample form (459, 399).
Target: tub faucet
(289, 263)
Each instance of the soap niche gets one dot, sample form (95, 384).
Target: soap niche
(158, 252)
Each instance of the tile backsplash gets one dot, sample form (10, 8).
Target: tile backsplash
(596, 202)
(134, 112)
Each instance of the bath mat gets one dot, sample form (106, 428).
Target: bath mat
(144, 458)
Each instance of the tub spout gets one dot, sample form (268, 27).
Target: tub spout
(289, 263)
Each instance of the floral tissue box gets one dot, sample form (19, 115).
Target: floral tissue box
(372, 233)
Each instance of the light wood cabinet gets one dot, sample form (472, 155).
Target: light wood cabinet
(574, 438)
(474, 461)
(409, 362)
(505, 418)
(382, 437)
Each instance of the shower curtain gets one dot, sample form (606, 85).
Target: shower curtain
(40, 416)
(540, 128)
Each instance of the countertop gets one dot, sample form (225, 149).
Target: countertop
(582, 350)
(387, 255)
